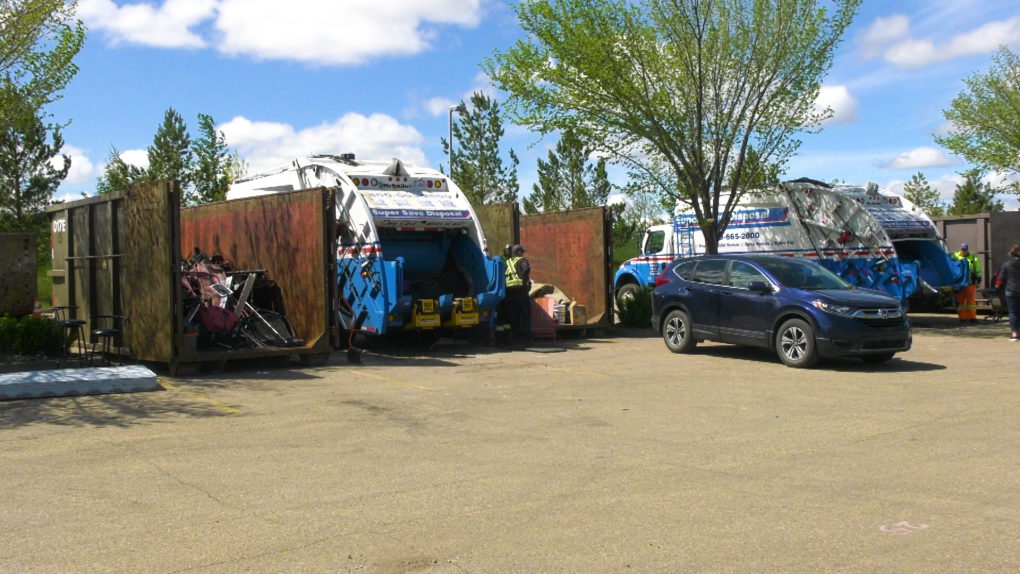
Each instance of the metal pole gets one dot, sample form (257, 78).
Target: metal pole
(449, 142)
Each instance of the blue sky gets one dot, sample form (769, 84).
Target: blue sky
(286, 79)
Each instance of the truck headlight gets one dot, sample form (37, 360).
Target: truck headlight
(840, 310)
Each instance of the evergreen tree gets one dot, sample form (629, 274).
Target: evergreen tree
(210, 174)
(568, 180)
(918, 192)
(118, 174)
(972, 196)
(31, 169)
(477, 166)
(170, 155)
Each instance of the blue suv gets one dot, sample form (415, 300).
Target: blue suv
(792, 306)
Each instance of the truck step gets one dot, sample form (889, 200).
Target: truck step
(77, 382)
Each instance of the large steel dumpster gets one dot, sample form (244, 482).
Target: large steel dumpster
(989, 236)
(17, 273)
(571, 250)
(120, 254)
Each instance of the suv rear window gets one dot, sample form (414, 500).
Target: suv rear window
(685, 270)
(711, 272)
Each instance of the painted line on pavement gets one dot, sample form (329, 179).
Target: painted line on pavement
(382, 378)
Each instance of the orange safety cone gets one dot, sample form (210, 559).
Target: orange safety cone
(37, 310)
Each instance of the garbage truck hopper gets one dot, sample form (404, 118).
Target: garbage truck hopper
(411, 253)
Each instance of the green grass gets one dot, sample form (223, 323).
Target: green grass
(44, 284)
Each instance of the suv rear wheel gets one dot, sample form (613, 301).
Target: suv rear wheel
(795, 344)
(676, 332)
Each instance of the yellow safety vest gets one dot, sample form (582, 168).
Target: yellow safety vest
(972, 261)
(512, 278)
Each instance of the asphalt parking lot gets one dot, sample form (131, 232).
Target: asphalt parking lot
(598, 455)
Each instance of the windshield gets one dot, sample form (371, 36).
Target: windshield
(802, 274)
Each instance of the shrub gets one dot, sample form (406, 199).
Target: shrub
(637, 311)
(29, 336)
(8, 333)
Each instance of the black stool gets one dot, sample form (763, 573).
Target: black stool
(70, 327)
(110, 337)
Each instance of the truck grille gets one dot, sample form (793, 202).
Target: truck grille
(879, 318)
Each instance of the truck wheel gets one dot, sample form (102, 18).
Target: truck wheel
(878, 359)
(626, 292)
(795, 344)
(676, 332)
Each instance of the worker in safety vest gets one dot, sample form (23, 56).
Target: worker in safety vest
(504, 313)
(518, 296)
(966, 298)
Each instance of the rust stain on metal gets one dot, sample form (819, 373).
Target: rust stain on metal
(281, 233)
(568, 249)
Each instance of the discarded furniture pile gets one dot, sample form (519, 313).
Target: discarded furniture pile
(227, 309)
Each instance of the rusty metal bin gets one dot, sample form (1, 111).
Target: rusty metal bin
(120, 254)
(17, 273)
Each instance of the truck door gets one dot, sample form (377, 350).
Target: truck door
(656, 252)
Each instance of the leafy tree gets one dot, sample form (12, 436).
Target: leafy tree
(478, 167)
(568, 180)
(918, 192)
(986, 118)
(688, 85)
(118, 174)
(972, 196)
(38, 42)
(170, 155)
(235, 168)
(31, 169)
(210, 174)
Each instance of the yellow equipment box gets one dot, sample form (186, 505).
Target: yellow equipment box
(425, 315)
(465, 313)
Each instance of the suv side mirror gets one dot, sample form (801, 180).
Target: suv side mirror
(759, 287)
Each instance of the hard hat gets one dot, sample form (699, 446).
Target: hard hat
(964, 246)
(518, 250)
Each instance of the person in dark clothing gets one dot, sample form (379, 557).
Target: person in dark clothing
(1009, 275)
(518, 295)
(504, 312)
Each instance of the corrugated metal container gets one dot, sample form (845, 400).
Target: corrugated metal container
(88, 255)
(989, 236)
(571, 250)
(17, 273)
(501, 223)
(120, 254)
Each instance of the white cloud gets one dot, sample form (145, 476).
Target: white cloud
(843, 105)
(438, 106)
(136, 157)
(919, 158)
(327, 32)
(269, 144)
(168, 26)
(483, 84)
(82, 169)
(891, 39)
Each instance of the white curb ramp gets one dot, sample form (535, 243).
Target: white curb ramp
(77, 382)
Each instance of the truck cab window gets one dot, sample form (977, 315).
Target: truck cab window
(654, 242)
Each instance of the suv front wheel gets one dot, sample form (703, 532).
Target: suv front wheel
(795, 344)
(676, 332)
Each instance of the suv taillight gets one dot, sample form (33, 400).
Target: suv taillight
(662, 278)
